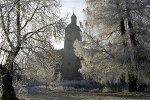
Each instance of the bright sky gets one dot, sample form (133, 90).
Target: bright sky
(68, 6)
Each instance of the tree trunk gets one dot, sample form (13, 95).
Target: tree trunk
(132, 83)
(8, 90)
(141, 87)
(133, 80)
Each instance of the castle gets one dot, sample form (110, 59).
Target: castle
(71, 63)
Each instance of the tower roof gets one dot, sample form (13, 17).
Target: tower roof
(73, 16)
(73, 24)
(73, 19)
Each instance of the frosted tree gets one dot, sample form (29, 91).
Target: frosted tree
(122, 46)
(26, 25)
(38, 67)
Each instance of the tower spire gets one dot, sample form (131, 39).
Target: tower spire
(73, 18)
(73, 11)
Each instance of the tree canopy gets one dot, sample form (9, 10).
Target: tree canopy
(119, 45)
(27, 27)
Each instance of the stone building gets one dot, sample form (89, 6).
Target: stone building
(71, 63)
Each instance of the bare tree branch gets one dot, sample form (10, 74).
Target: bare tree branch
(5, 30)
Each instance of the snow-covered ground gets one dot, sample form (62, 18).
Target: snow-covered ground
(51, 95)
(65, 91)
(41, 93)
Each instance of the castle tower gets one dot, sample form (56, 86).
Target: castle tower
(71, 63)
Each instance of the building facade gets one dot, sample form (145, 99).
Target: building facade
(71, 63)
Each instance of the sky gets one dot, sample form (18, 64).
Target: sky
(77, 5)
(67, 8)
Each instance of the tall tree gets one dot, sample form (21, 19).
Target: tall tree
(25, 24)
(123, 44)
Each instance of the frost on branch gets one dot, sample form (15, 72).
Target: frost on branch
(116, 42)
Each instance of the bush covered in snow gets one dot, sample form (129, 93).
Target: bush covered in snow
(107, 90)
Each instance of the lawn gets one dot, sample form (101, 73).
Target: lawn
(47, 94)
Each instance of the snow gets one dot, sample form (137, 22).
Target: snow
(71, 95)
(64, 91)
